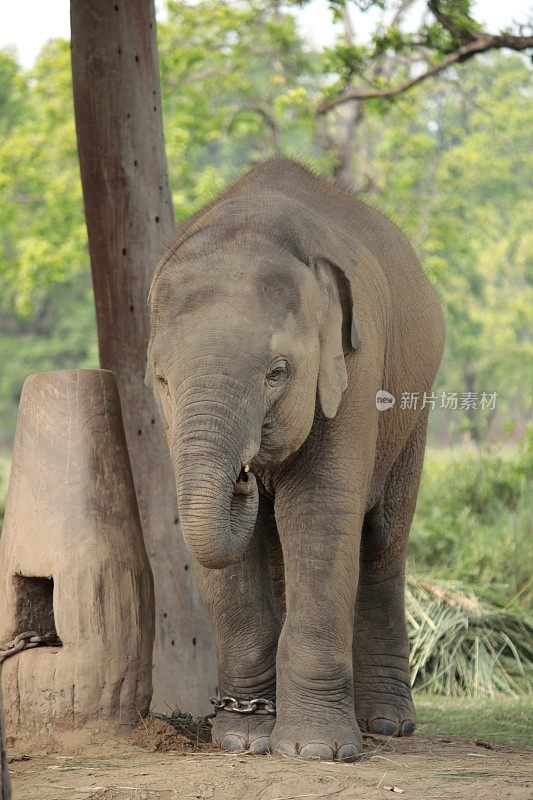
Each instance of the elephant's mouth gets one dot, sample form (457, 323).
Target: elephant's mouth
(245, 482)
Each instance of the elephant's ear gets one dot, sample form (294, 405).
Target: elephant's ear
(338, 333)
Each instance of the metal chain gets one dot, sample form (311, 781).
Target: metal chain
(25, 641)
(258, 705)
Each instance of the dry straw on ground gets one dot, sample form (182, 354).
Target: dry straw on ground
(461, 644)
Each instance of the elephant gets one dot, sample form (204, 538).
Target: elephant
(294, 342)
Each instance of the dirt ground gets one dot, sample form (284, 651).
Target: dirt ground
(162, 765)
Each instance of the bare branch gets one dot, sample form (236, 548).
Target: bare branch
(268, 118)
(349, 33)
(460, 34)
(402, 8)
(481, 44)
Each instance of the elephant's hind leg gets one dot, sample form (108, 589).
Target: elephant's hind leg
(382, 692)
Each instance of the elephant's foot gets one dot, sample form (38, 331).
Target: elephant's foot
(322, 738)
(383, 702)
(236, 733)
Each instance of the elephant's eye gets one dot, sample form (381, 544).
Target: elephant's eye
(278, 372)
(162, 380)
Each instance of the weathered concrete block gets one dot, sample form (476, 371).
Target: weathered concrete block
(72, 559)
(5, 787)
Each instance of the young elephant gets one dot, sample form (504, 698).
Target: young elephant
(278, 314)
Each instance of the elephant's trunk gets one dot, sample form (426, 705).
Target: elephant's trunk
(217, 497)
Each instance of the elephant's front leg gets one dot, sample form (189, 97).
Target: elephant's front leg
(240, 604)
(320, 533)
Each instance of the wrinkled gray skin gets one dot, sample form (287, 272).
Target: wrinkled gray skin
(276, 315)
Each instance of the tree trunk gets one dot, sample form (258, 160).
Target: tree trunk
(472, 414)
(128, 208)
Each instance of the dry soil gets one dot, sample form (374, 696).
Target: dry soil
(156, 763)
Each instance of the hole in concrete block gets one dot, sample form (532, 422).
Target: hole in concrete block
(34, 604)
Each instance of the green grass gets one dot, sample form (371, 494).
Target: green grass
(502, 720)
(473, 522)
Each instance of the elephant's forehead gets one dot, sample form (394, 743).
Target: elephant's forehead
(263, 285)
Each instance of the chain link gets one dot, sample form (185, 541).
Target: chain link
(25, 641)
(258, 705)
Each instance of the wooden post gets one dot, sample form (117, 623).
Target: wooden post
(73, 561)
(129, 216)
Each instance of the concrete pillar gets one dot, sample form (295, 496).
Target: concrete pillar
(5, 788)
(73, 561)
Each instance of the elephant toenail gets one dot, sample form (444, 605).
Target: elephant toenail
(286, 749)
(347, 753)
(317, 750)
(385, 727)
(408, 728)
(260, 746)
(233, 744)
